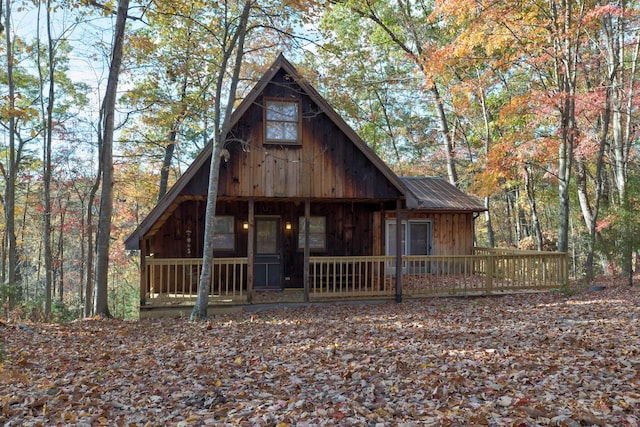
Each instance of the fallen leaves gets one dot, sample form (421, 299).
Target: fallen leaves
(524, 360)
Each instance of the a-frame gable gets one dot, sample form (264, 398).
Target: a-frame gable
(200, 166)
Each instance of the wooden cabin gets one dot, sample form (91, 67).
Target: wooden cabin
(303, 204)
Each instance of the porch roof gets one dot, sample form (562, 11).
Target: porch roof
(434, 193)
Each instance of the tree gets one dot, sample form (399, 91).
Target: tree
(616, 28)
(106, 154)
(173, 94)
(10, 170)
(47, 116)
(407, 26)
(232, 41)
(377, 92)
(19, 117)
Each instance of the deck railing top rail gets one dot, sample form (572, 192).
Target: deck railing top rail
(480, 250)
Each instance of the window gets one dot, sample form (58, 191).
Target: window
(416, 238)
(223, 233)
(282, 122)
(317, 233)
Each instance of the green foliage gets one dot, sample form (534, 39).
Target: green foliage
(66, 311)
(620, 229)
(7, 293)
(124, 300)
(379, 90)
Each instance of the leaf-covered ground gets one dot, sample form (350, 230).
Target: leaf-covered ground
(522, 360)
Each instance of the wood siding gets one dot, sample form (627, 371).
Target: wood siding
(452, 233)
(350, 231)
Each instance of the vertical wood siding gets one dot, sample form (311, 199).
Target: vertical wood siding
(452, 233)
(326, 165)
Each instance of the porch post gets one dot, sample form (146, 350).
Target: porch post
(398, 252)
(250, 250)
(143, 272)
(307, 219)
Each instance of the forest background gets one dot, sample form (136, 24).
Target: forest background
(531, 106)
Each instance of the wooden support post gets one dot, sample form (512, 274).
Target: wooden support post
(398, 252)
(144, 280)
(250, 250)
(307, 220)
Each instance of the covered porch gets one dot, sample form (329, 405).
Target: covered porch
(174, 282)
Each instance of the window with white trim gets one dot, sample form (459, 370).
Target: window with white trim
(416, 237)
(282, 122)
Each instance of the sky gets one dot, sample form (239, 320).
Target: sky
(88, 61)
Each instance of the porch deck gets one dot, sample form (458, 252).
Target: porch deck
(173, 282)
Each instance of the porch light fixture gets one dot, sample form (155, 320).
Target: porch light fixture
(245, 225)
(287, 225)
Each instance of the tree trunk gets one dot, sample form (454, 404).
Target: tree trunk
(106, 197)
(511, 226)
(89, 276)
(531, 198)
(566, 74)
(171, 146)
(590, 214)
(47, 113)
(487, 147)
(11, 172)
(60, 254)
(449, 149)
(202, 301)
(169, 149)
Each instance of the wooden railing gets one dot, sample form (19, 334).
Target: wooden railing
(338, 277)
(487, 271)
(175, 280)
(518, 269)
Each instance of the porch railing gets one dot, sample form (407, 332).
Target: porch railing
(336, 277)
(486, 271)
(175, 280)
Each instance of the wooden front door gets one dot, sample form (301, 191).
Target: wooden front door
(267, 265)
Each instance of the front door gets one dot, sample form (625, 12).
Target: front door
(267, 270)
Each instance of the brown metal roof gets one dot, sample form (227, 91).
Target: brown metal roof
(437, 194)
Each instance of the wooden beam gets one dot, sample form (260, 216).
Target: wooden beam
(307, 220)
(250, 250)
(398, 252)
(143, 271)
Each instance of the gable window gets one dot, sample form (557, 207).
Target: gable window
(282, 122)
(224, 233)
(317, 233)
